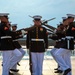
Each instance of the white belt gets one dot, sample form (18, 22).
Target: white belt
(4, 37)
(68, 41)
(69, 37)
(63, 38)
(37, 39)
(59, 40)
(14, 40)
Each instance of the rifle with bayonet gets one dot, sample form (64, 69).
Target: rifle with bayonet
(49, 26)
(44, 22)
(25, 30)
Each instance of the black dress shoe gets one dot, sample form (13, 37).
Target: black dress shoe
(18, 64)
(14, 70)
(67, 71)
(58, 71)
(2, 64)
(11, 73)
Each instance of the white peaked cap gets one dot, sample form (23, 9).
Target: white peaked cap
(37, 17)
(71, 15)
(4, 14)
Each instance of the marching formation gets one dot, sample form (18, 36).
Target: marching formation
(65, 35)
(11, 50)
(37, 43)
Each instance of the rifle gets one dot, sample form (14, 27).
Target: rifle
(46, 21)
(25, 30)
(49, 26)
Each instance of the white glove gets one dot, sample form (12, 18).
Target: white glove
(23, 32)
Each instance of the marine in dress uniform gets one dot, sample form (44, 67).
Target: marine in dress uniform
(37, 42)
(18, 46)
(7, 47)
(65, 56)
(57, 38)
(68, 45)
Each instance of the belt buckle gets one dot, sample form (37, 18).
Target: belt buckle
(36, 39)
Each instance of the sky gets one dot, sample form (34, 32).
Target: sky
(20, 10)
